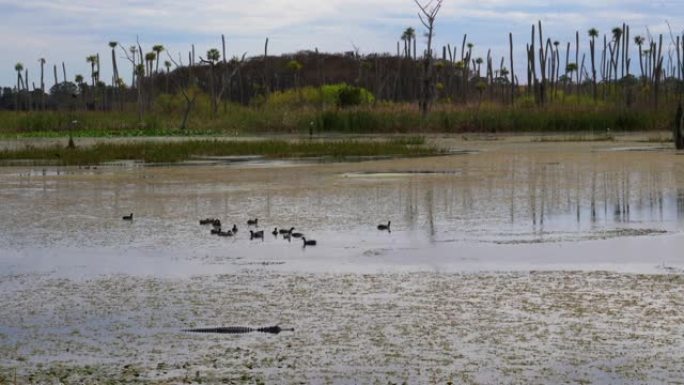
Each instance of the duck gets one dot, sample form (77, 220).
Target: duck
(234, 229)
(207, 221)
(286, 231)
(257, 234)
(275, 232)
(296, 235)
(253, 222)
(385, 227)
(309, 242)
(128, 217)
(225, 233)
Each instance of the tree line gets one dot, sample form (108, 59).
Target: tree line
(616, 67)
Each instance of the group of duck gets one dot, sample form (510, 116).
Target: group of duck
(287, 234)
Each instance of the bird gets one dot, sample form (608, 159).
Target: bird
(296, 235)
(234, 229)
(309, 242)
(225, 233)
(253, 222)
(286, 231)
(216, 231)
(257, 234)
(216, 223)
(275, 232)
(128, 217)
(385, 227)
(207, 221)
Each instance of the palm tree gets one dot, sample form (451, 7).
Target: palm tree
(617, 35)
(639, 41)
(150, 57)
(92, 59)
(213, 57)
(115, 68)
(406, 41)
(407, 36)
(78, 79)
(295, 67)
(167, 65)
(479, 62)
(158, 49)
(570, 69)
(593, 34)
(411, 34)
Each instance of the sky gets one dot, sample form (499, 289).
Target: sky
(70, 30)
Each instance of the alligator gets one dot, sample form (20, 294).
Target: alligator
(240, 330)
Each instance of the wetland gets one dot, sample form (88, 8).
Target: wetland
(510, 260)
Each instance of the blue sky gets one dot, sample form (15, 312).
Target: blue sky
(70, 30)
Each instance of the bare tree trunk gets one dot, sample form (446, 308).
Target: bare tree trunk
(510, 40)
(658, 72)
(592, 50)
(267, 79)
(42, 84)
(542, 64)
(678, 127)
(223, 48)
(427, 15)
(577, 43)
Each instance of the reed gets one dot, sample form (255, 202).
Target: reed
(170, 152)
(381, 118)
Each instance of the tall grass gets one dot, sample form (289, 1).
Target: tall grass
(380, 118)
(166, 152)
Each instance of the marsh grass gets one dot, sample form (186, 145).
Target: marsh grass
(171, 152)
(576, 138)
(383, 117)
(662, 138)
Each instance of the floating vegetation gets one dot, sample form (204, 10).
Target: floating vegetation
(170, 152)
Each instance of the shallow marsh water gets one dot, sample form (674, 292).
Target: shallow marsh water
(533, 262)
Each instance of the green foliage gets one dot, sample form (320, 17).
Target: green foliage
(294, 65)
(350, 96)
(341, 95)
(158, 152)
(317, 108)
(213, 55)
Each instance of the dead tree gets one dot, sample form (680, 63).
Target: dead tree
(188, 90)
(678, 127)
(427, 15)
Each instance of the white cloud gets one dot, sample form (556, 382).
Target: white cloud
(72, 29)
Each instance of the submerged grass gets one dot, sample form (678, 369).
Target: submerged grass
(170, 152)
(576, 138)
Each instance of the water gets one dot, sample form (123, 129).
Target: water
(534, 262)
(509, 207)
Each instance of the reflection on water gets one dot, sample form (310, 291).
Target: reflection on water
(497, 196)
